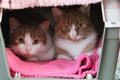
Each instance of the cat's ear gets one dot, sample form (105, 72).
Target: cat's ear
(14, 23)
(45, 25)
(57, 13)
(85, 9)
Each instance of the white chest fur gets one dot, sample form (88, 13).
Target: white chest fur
(74, 48)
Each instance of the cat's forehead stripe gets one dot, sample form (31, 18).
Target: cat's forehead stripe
(73, 32)
(73, 26)
(28, 39)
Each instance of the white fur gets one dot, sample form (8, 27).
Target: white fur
(37, 51)
(74, 48)
(63, 56)
(73, 32)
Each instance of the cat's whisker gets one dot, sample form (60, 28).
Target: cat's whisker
(13, 47)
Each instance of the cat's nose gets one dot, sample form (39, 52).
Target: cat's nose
(73, 36)
(27, 50)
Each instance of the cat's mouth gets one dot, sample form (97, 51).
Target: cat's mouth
(77, 38)
(27, 55)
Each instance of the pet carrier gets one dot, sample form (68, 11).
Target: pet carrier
(107, 53)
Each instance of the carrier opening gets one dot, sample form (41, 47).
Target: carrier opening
(51, 31)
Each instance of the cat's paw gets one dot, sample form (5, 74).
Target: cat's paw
(89, 53)
(63, 57)
(76, 57)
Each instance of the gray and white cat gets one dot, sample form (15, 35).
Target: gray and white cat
(31, 40)
(74, 33)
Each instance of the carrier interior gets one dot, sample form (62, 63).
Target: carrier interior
(95, 15)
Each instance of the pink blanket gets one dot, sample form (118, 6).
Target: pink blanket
(56, 68)
(20, 4)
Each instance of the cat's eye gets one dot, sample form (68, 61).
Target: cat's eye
(80, 25)
(36, 41)
(65, 28)
(20, 40)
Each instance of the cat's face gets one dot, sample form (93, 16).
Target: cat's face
(72, 26)
(27, 39)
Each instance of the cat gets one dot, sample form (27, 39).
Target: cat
(31, 40)
(74, 33)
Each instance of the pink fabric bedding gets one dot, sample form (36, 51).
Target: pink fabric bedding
(56, 68)
(20, 4)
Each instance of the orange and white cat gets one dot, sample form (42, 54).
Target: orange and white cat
(31, 40)
(74, 33)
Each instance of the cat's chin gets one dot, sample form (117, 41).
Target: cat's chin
(32, 59)
(27, 55)
(77, 39)
(71, 39)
